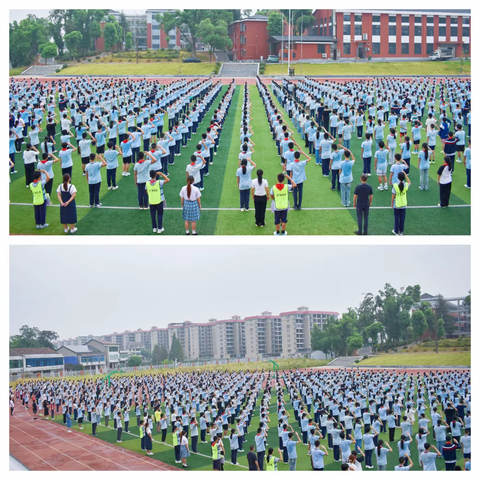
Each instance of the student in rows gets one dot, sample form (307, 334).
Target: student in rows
(346, 177)
(325, 151)
(37, 187)
(279, 193)
(291, 445)
(84, 148)
(94, 178)
(381, 452)
(190, 198)
(66, 193)
(428, 458)
(244, 182)
(381, 165)
(260, 195)
(460, 135)
(297, 172)
(399, 202)
(271, 462)
(368, 445)
(156, 200)
(406, 152)
(366, 154)
(444, 180)
(424, 166)
(402, 466)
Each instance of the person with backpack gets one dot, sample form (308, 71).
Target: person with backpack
(399, 202)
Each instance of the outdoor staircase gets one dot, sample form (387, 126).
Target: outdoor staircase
(41, 70)
(344, 361)
(237, 69)
(221, 57)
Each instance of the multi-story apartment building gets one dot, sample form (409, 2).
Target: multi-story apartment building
(392, 33)
(259, 336)
(156, 36)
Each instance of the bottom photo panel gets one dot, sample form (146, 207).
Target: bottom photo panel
(238, 358)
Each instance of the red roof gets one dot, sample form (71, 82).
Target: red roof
(31, 351)
(304, 312)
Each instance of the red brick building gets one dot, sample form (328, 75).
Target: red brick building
(393, 33)
(250, 38)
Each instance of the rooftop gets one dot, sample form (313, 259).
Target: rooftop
(253, 18)
(302, 38)
(14, 352)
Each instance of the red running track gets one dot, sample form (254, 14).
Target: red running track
(44, 445)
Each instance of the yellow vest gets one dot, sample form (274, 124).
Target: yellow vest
(142, 432)
(154, 193)
(175, 439)
(400, 197)
(215, 452)
(281, 197)
(38, 193)
(271, 464)
(157, 415)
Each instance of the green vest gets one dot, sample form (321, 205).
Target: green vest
(142, 432)
(215, 452)
(271, 464)
(400, 197)
(38, 193)
(175, 439)
(154, 193)
(281, 197)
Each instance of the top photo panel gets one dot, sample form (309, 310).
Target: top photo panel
(240, 122)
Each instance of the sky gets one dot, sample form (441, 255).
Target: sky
(98, 290)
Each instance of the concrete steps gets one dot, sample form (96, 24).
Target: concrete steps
(344, 361)
(40, 70)
(242, 70)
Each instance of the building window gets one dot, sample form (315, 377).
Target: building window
(429, 48)
(294, 55)
(466, 48)
(392, 29)
(16, 363)
(453, 31)
(466, 20)
(392, 48)
(375, 48)
(285, 55)
(375, 29)
(429, 31)
(418, 48)
(429, 19)
(358, 29)
(405, 30)
(347, 28)
(346, 48)
(358, 18)
(376, 18)
(243, 27)
(44, 362)
(465, 31)
(320, 48)
(418, 20)
(418, 30)
(392, 18)
(442, 20)
(405, 19)
(453, 21)
(405, 49)
(442, 31)
(346, 17)
(155, 37)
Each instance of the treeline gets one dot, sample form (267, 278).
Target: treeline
(386, 320)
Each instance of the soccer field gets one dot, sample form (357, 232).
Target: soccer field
(202, 460)
(321, 214)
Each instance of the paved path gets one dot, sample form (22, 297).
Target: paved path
(44, 445)
(344, 361)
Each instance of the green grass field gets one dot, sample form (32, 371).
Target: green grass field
(374, 68)
(322, 213)
(143, 68)
(425, 358)
(203, 462)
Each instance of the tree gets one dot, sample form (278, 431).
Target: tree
(156, 355)
(125, 26)
(304, 22)
(275, 24)
(134, 361)
(366, 314)
(48, 50)
(316, 338)
(442, 310)
(146, 354)
(419, 324)
(163, 354)
(373, 331)
(32, 337)
(215, 35)
(95, 31)
(25, 39)
(110, 36)
(354, 342)
(72, 40)
(176, 350)
(128, 41)
(46, 338)
(432, 323)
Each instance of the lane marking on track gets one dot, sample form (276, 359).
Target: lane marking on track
(50, 446)
(30, 451)
(236, 209)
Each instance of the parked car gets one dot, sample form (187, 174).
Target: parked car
(191, 60)
(272, 59)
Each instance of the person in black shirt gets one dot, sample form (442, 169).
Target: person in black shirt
(362, 199)
(252, 459)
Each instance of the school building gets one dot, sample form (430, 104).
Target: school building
(29, 362)
(362, 33)
(260, 336)
(156, 37)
